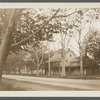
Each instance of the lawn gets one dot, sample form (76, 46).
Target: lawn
(15, 85)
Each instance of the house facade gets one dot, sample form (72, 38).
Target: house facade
(72, 65)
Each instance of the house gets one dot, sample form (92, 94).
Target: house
(72, 65)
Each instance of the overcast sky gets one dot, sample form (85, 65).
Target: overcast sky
(56, 45)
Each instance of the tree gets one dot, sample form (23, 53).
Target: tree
(36, 55)
(23, 27)
(65, 39)
(10, 43)
(80, 20)
(4, 47)
(15, 62)
(92, 52)
(65, 34)
(29, 66)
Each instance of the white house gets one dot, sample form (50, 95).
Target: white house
(72, 65)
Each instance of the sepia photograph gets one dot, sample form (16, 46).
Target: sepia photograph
(50, 48)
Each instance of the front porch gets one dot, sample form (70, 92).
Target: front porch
(57, 71)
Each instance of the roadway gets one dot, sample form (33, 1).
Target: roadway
(84, 84)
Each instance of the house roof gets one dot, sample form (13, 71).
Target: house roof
(71, 51)
(66, 51)
(57, 56)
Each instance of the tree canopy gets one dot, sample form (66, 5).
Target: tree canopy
(28, 27)
(93, 46)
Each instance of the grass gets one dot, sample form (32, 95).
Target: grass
(15, 85)
(5, 86)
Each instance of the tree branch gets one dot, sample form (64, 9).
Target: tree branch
(34, 62)
(67, 15)
(41, 59)
(42, 27)
(75, 38)
(36, 31)
(74, 48)
(71, 13)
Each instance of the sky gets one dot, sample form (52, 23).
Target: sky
(56, 37)
(56, 45)
(73, 44)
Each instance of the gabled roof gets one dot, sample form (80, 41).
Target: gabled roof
(57, 56)
(69, 50)
(66, 51)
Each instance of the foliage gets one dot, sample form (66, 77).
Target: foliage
(26, 22)
(36, 54)
(93, 47)
(15, 61)
(91, 59)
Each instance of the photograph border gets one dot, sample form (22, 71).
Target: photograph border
(85, 95)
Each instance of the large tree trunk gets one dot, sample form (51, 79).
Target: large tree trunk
(81, 65)
(5, 43)
(4, 49)
(81, 61)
